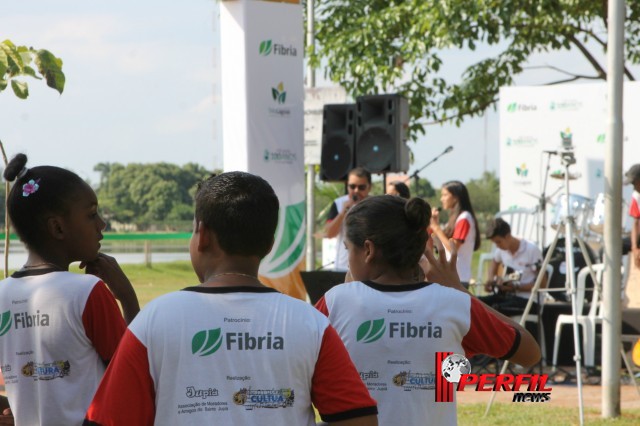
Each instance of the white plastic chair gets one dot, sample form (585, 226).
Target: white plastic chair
(542, 297)
(588, 322)
(480, 278)
(522, 221)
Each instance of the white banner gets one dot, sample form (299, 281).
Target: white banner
(262, 109)
(536, 119)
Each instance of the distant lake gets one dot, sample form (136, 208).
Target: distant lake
(124, 252)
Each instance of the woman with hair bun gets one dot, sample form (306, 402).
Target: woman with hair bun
(393, 324)
(58, 329)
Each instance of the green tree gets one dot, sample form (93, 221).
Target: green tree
(148, 194)
(485, 197)
(377, 46)
(16, 62)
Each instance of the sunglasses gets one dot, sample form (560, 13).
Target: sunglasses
(353, 186)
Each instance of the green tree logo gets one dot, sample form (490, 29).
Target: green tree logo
(566, 136)
(265, 48)
(512, 107)
(5, 323)
(278, 93)
(522, 170)
(370, 331)
(206, 342)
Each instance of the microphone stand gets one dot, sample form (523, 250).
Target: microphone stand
(415, 175)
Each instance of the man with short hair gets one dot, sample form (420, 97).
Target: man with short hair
(231, 351)
(358, 187)
(522, 257)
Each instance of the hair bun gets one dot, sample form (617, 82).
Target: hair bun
(14, 167)
(417, 212)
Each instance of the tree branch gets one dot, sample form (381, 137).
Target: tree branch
(461, 114)
(594, 63)
(603, 44)
(561, 71)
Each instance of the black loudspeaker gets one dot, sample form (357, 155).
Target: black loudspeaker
(382, 122)
(338, 136)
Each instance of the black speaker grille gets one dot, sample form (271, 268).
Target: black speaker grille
(336, 158)
(375, 149)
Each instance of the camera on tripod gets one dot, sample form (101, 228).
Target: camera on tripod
(566, 151)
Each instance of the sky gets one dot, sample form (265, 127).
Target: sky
(139, 88)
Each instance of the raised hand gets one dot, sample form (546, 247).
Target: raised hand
(441, 270)
(107, 269)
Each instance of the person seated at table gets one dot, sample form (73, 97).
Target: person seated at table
(522, 258)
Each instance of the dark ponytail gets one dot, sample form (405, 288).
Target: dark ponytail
(396, 226)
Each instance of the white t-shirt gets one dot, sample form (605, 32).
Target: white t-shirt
(465, 230)
(229, 356)
(392, 333)
(342, 254)
(524, 260)
(57, 331)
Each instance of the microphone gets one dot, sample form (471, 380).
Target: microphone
(448, 150)
(324, 266)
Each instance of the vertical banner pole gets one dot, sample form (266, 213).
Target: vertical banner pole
(611, 289)
(262, 84)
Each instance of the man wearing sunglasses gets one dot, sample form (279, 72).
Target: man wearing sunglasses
(358, 187)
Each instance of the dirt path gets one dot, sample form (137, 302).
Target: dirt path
(561, 396)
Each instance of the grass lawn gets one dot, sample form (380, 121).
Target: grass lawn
(160, 279)
(516, 414)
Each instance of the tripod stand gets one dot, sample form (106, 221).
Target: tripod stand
(567, 227)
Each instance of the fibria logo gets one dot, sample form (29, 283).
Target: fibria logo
(267, 47)
(207, 342)
(5, 323)
(22, 320)
(372, 330)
